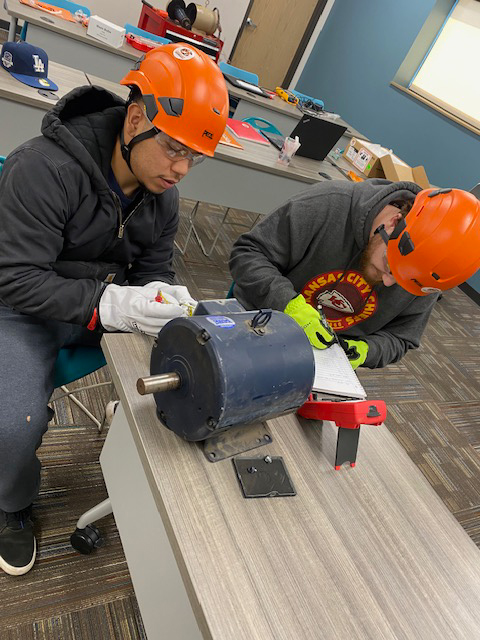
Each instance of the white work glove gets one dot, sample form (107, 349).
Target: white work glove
(137, 309)
(179, 293)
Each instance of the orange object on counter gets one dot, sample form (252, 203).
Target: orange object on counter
(356, 178)
(57, 12)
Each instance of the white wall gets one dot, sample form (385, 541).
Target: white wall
(120, 12)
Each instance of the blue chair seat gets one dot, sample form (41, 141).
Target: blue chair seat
(76, 362)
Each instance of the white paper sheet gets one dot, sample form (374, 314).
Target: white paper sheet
(334, 374)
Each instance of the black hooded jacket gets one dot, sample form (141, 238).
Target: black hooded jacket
(62, 229)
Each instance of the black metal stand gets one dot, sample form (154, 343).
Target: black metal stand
(347, 446)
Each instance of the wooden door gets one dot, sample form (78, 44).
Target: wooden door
(269, 43)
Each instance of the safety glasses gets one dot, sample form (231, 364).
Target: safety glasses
(175, 150)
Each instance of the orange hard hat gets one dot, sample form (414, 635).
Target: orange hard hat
(184, 93)
(437, 245)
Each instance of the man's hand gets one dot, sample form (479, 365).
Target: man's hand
(138, 309)
(314, 323)
(356, 351)
(179, 293)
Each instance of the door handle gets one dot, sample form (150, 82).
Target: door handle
(250, 23)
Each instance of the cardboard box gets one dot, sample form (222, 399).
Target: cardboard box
(374, 161)
(107, 32)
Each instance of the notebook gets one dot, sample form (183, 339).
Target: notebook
(334, 374)
(229, 140)
(245, 131)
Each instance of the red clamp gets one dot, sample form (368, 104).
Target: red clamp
(348, 416)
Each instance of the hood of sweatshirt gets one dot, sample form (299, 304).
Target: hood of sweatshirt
(86, 123)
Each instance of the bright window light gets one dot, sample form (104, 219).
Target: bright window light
(449, 74)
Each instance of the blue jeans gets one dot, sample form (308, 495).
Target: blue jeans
(28, 351)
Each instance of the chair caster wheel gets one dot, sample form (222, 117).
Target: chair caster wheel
(86, 540)
(110, 411)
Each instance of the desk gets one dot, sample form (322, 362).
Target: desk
(67, 42)
(283, 115)
(363, 553)
(22, 107)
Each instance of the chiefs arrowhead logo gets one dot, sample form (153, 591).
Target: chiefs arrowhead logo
(335, 300)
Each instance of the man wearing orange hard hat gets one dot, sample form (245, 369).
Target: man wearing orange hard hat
(88, 217)
(360, 263)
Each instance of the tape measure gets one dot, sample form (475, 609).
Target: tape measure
(288, 96)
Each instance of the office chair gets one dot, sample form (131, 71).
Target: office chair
(74, 363)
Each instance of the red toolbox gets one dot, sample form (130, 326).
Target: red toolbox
(348, 416)
(156, 21)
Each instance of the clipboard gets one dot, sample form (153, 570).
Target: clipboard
(334, 375)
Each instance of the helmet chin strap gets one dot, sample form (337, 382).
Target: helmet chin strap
(126, 149)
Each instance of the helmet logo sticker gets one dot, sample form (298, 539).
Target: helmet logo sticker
(208, 134)
(183, 53)
(430, 290)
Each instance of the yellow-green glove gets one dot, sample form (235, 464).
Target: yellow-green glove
(314, 323)
(356, 351)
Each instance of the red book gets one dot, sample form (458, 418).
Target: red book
(245, 131)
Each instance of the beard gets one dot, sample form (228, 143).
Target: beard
(369, 272)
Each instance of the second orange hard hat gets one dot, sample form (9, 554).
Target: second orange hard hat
(437, 245)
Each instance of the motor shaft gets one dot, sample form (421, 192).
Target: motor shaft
(157, 384)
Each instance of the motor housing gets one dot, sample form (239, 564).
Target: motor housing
(235, 367)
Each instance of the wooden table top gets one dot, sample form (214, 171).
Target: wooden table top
(65, 77)
(369, 552)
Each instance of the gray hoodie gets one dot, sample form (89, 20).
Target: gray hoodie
(312, 245)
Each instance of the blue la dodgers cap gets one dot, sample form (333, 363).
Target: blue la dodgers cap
(27, 63)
